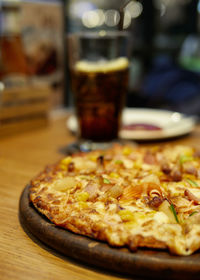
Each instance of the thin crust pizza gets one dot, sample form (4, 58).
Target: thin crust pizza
(126, 196)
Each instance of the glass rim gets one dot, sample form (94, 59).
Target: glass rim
(102, 34)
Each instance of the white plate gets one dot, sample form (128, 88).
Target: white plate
(172, 124)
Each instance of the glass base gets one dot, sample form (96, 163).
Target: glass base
(87, 146)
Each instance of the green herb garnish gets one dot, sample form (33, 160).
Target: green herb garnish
(191, 214)
(106, 181)
(118, 161)
(84, 177)
(185, 158)
(174, 212)
(191, 182)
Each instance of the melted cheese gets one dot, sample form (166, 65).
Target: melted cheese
(161, 218)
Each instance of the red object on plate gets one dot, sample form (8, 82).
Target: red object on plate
(141, 126)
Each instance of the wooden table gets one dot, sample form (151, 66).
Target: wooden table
(21, 158)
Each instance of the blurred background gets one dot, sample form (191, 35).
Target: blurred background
(165, 60)
(165, 55)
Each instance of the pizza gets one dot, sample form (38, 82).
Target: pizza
(131, 196)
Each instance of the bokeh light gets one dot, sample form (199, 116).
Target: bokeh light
(112, 17)
(90, 19)
(127, 20)
(134, 9)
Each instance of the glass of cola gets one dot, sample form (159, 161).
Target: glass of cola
(99, 74)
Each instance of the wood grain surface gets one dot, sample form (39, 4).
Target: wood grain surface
(21, 158)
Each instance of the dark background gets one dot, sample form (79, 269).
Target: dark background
(165, 60)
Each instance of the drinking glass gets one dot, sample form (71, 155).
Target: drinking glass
(99, 72)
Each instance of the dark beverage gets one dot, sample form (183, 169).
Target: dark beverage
(12, 55)
(100, 89)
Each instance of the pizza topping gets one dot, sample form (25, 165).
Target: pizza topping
(114, 175)
(169, 210)
(64, 162)
(64, 184)
(118, 161)
(149, 158)
(115, 191)
(191, 196)
(126, 215)
(182, 204)
(174, 212)
(92, 189)
(191, 182)
(100, 160)
(185, 158)
(193, 213)
(189, 167)
(83, 196)
(165, 168)
(152, 178)
(128, 163)
(194, 218)
(106, 181)
(132, 193)
(71, 167)
(155, 202)
(127, 150)
(196, 154)
(153, 189)
(84, 165)
(176, 174)
(154, 195)
(132, 196)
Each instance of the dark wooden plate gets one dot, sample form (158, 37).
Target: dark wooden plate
(143, 263)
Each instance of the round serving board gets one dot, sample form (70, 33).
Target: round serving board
(144, 263)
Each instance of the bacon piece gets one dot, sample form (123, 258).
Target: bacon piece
(155, 202)
(165, 168)
(155, 197)
(191, 196)
(100, 160)
(149, 158)
(197, 154)
(176, 174)
(71, 167)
